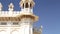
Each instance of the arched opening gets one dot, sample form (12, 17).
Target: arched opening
(23, 5)
(30, 5)
(26, 5)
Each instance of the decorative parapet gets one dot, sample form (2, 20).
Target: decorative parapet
(9, 13)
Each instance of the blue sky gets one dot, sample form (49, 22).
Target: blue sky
(47, 10)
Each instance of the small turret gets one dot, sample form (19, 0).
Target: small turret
(27, 3)
(41, 29)
(11, 7)
(27, 6)
(1, 6)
